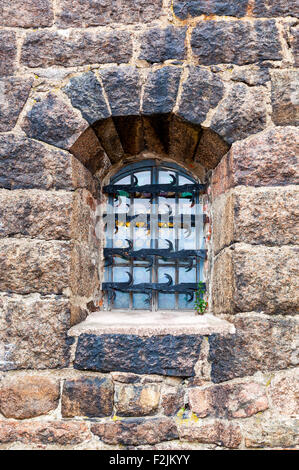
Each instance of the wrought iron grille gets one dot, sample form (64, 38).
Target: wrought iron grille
(154, 227)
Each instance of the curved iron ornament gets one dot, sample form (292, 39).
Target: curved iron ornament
(187, 288)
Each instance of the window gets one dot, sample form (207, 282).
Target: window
(154, 229)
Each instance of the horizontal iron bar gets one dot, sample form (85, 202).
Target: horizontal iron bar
(147, 252)
(154, 188)
(146, 287)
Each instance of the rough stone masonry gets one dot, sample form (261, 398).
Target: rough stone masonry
(87, 86)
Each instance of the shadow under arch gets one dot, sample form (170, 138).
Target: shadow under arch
(120, 138)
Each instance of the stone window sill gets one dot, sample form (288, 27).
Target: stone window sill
(145, 323)
(163, 343)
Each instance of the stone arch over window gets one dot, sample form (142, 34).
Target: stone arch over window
(108, 117)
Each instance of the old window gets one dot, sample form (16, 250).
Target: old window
(154, 228)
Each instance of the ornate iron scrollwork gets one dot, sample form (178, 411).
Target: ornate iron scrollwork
(187, 288)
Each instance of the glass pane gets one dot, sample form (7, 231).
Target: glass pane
(140, 301)
(143, 177)
(166, 177)
(122, 299)
(125, 180)
(184, 180)
(166, 229)
(184, 299)
(166, 301)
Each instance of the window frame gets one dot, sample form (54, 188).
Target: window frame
(154, 166)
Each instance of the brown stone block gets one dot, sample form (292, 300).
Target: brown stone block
(275, 432)
(172, 400)
(84, 263)
(33, 333)
(8, 52)
(54, 121)
(210, 149)
(257, 216)
(217, 432)
(261, 343)
(88, 150)
(27, 164)
(28, 266)
(14, 93)
(74, 48)
(26, 14)
(256, 278)
(87, 396)
(241, 113)
(228, 401)
(84, 216)
(266, 159)
(44, 432)
(136, 431)
(235, 42)
(36, 214)
(27, 396)
(99, 13)
(285, 97)
(284, 392)
(137, 400)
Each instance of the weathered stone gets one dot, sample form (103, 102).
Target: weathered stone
(294, 43)
(27, 396)
(165, 355)
(8, 53)
(84, 276)
(35, 213)
(108, 136)
(28, 266)
(280, 432)
(52, 120)
(88, 150)
(160, 91)
(73, 48)
(259, 344)
(136, 431)
(158, 45)
(125, 377)
(13, 95)
(44, 432)
(172, 400)
(284, 393)
(258, 278)
(235, 42)
(256, 216)
(183, 9)
(252, 75)
(285, 97)
(220, 433)
(267, 159)
(242, 113)
(210, 149)
(123, 88)
(86, 94)
(33, 333)
(228, 401)
(264, 8)
(87, 396)
(84, 218)
(136, 400)
(28, 14)
(183, 140)
(27, 164)
(201, 92)
(84, 13)
(130, 133)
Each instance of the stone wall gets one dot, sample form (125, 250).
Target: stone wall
(85, 87)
